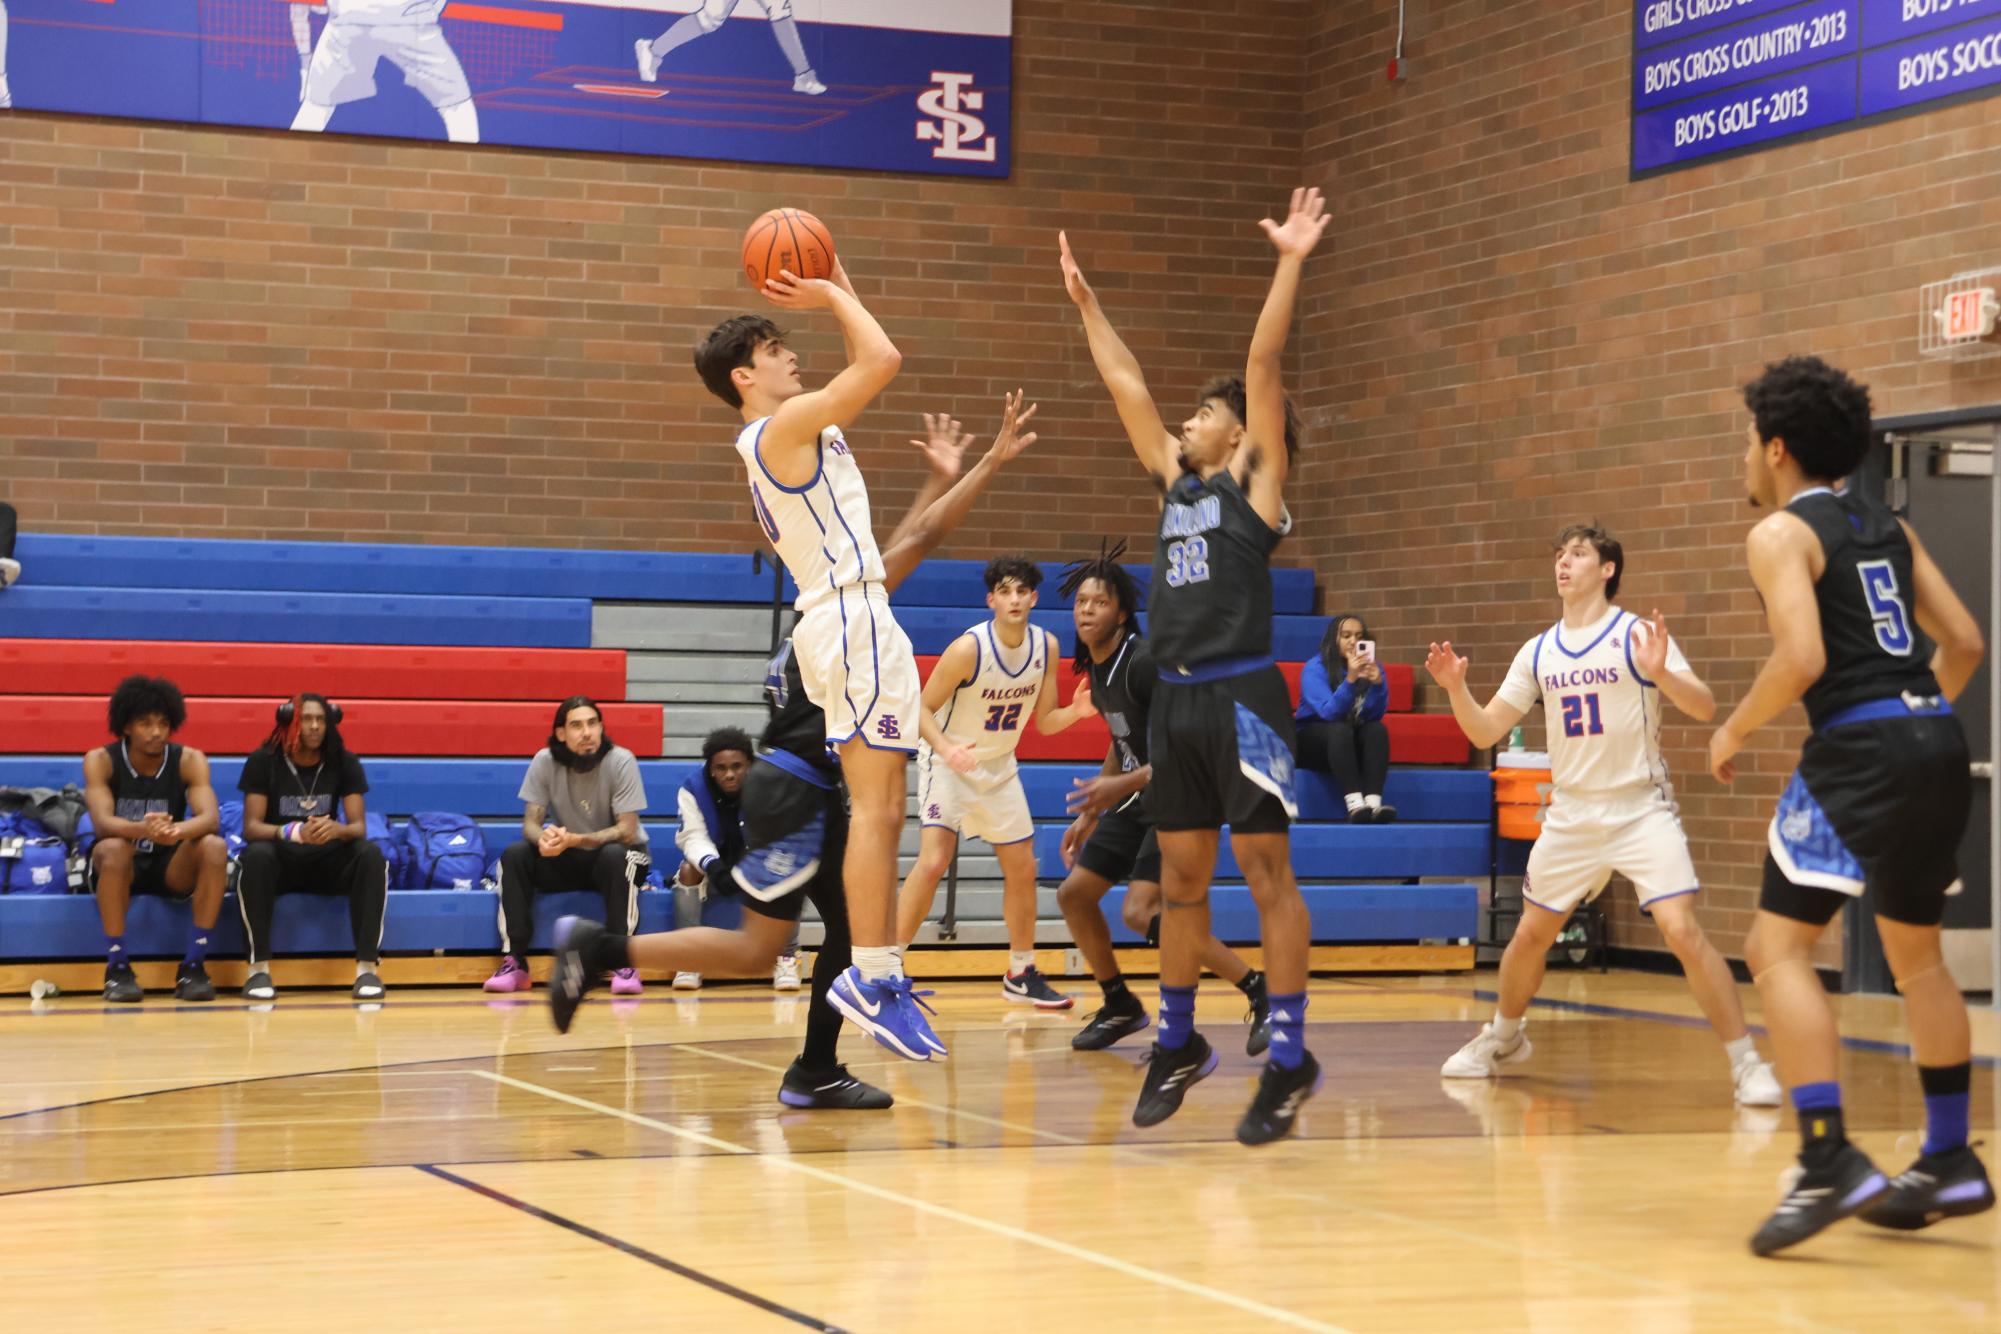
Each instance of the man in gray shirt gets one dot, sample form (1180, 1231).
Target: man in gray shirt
(580, 831)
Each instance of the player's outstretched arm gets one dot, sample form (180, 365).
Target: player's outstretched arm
(1049, 719)
(1661, 662)
(944, 449)
(1945, 618)
(1781, 552)
(1120, 371)
(932, 526)
(1264, 384)
(873, 362)
(1483, 726)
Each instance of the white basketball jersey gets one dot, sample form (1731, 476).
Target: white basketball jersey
(1602, 716)
(820, 530)
(989, 710)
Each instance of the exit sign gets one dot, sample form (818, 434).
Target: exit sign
(1968, 314)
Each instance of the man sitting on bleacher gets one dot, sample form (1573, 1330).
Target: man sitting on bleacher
(305, 828)
(590, 788)
(141, 792)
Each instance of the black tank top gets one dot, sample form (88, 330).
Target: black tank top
(797, 726)
(135, 796)
(1122, 688)
(1211, 575)
(1868, 605)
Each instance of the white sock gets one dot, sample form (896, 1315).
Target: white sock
(362, 966)
(1019, 962)
(1743, 1049)
(1505, 1029)
(1373, 803)
(1354, 801)
(877, 962)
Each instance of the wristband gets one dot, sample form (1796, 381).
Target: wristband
(289, 833)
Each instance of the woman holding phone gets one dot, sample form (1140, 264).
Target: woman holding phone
(1342, 699)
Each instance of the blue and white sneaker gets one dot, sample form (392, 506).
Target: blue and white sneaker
(888, 1011)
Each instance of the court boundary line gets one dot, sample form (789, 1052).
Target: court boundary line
(1248, 1305)
(653, 1258)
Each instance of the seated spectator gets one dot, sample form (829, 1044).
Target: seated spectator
(711, 842)
(589, 787)
(1341, 730)
(305, 828)
(155, 816)
(10, 569)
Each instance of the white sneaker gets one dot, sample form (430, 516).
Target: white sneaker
(1757, 1086)
(1483, 1057)
(687, 981)
(10, 570)
(809, 84)
(785, 973)
(649, 64)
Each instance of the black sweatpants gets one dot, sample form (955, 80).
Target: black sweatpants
(615, 871)
(1357, 755)
(355, 868)
(829, 894)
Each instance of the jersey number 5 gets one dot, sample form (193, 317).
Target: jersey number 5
(1003, 717)
(1574, 708)
(1188, 562)
(1886, 606)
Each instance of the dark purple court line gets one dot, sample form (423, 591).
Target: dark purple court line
(231, 1007)
(637, 1252)
(1696, 1021)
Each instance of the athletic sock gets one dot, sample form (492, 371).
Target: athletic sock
(197, 946)
(1374, 803)
(1743, 1049)
(1116, 991)
(114, 950)
(609, 953)
(1821, 1131)
(786, 30)
(1019, 962)
(1177, 1017)
(1250, 982)
(1505, 1029)
(1288, 1030)
(1354, 800)
(877, 962)
(1948, 1088)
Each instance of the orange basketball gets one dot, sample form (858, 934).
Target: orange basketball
(787, 238)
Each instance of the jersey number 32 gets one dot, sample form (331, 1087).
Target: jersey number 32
(1188, 562)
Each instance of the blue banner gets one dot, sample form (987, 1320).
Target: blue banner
(1715, 76)
(897, 85)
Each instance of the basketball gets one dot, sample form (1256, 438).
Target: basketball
(787, 238)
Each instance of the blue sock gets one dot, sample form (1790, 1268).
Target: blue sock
(1177, 1017)
(197, 945)
(1288, 1030)
(1817, 1097)
(1948, 1089)
(114, 950)
(1821, 1130)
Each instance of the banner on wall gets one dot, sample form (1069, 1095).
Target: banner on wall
(896, 85)
(1721, 76)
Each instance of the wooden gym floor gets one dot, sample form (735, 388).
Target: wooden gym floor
(446, 1162)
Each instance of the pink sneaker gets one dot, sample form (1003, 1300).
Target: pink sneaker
(625, 982)
(510, 976)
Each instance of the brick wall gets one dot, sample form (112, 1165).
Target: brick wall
(259, 334)
(1508, 334)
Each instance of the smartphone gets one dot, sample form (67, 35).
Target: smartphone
(1367, 648)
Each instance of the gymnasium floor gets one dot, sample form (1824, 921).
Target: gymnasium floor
(448, 1163)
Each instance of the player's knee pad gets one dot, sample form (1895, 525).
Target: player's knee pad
(714, 13)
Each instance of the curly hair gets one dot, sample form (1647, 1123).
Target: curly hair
(1229, 391)
(1118, 581)
(137, 696)
(1821, 414)
(729, 345)
(725, 738)
(1018, 568)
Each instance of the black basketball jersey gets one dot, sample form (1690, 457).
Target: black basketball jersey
(1868, 605)
(1121, 690)
(135, 795)
(1211, 575)
(798, 726)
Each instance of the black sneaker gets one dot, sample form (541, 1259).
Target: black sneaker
(1275, 1106)
(258, 986)
(1030, 987)
(1260, 1015)
(1169, 1074)
(1109, 1024)
(191, 983)
(1821, 1198)
(569, 980)
(834, 1089)
(121, 987)
(1950, 1184)
(1385, 814)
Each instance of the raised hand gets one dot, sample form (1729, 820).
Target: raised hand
(1074, 281)
(789, 291)
(1650, 651)
(1446, 667)
(943, 445)
(1010, 440)
(1303, 224)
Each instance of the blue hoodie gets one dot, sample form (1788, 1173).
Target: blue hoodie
(1320, 702)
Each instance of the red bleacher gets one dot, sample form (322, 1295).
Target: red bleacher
(45, 724)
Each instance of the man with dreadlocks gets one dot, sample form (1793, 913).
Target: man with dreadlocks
(155, 816)
(305, 828)
(1113, 838)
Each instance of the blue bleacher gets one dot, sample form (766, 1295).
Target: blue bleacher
(46, 611)
(1342, 914)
